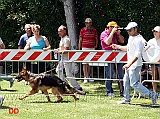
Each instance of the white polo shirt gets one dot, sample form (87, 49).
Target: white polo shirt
(134, 49)
(65, 42)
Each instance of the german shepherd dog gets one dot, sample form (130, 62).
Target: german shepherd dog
(44, 82)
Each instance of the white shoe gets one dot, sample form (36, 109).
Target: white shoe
(85, 81)
(91, 80)
(111, 94)
(123, 102)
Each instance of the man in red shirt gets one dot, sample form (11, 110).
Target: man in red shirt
(88, 40)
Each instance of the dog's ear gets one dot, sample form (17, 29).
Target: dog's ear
(24, 68)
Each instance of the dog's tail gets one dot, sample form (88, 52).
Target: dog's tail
(74, 89)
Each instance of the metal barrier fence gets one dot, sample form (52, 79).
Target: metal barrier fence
(13, 60)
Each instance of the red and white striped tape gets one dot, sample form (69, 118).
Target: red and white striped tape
(22, 55)
(118, 56)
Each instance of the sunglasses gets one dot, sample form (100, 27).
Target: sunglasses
(88, 22)
(155, 31)
(129, 30)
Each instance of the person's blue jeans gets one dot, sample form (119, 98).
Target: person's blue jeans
(131, 79)
(7, 79)
(109, 75)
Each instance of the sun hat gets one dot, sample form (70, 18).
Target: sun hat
(112, 23)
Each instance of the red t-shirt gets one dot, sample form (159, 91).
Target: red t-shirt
(88, 37)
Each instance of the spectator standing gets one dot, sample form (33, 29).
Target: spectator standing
(155, 68)
(111, 35)
(11, 80)
(22, 43)
(23, 39)
(132, 69)
(37, 42)
(88, 40)
(65, 44)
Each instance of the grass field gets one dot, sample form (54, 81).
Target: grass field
(95, 105)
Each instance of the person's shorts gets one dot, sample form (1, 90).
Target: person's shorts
(87, 49)
(155, 65)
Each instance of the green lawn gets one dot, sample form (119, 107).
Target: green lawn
(95, 105)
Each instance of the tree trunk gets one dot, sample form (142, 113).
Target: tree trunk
(71, 22)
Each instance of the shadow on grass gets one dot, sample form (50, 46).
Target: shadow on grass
(48, 102)
(10, 90)
(4, 107)
(148, 105)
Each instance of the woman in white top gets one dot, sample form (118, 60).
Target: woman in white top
(155, 67)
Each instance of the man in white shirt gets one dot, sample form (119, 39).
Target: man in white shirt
(132, 69)
(65, 44)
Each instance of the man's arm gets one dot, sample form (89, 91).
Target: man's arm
(119, 47)
(126, 66)
(80, 43)
(96, 42)
(121, 38)
(19, 47)
(108, 40)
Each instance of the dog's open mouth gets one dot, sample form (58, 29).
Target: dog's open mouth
(19, 78)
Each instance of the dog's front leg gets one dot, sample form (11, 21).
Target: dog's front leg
(47, 95)
(29, 93)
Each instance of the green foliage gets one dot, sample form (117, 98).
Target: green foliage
(15, 14)
(49, 14)
(145, 13)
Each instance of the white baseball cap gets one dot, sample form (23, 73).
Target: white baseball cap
(131, 25)
(157, 28)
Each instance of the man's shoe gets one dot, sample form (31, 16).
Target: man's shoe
(111, 94)
(11, 83)
(1, 100)
(123, 102)
(121, 94)
(154, 97)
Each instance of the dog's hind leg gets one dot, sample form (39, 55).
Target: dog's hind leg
(47, 95)
(29, 93)
(57, 94)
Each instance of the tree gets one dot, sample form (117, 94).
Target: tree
(71, 22)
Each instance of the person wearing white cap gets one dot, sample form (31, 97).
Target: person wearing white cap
(155, 67)
(88, 40)
(131, 77)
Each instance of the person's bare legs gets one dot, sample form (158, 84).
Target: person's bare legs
(85, 72)
(154, 77)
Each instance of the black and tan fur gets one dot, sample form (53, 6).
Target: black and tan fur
(44, 82)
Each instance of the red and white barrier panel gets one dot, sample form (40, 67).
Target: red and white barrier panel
(23, 55)
(100, 56)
